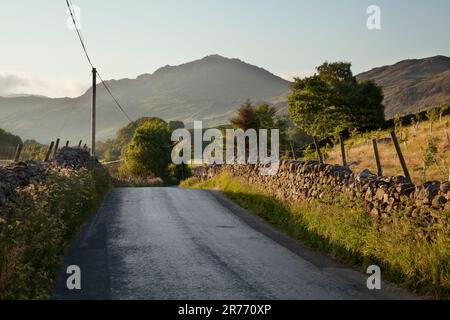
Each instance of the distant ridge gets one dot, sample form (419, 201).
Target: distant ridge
(413, 85)
(209, 89)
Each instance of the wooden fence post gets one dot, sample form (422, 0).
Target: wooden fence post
(344, 158)
(79, 145)
(18, 152)
(67, 143)
(292, 150)
(319, 153)
(49, 151)
(377, 157)
(56, 148)
(400, 156)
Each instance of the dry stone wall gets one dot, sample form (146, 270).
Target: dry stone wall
(21, 174)
(379, 196)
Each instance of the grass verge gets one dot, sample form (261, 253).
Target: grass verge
(37, 228)
(411, 254)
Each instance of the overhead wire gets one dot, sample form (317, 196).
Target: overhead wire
(118, 104)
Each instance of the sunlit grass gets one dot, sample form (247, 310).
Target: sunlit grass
(361, 155)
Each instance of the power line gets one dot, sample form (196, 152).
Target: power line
(69, 5)
(114, 98)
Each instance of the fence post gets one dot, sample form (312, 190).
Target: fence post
(319, 153)
(344, 158)
(56, 148)
(400, 156)
(67, 143)
(79, 145)
(49, 151)
(377, 157)
(18, 152)
(292, 149)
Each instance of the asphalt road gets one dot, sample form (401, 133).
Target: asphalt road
(170, 243)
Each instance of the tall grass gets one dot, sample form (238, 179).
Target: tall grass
(410, 253)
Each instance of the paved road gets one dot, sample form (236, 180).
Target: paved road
(170, 243)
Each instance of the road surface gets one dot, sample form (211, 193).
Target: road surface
(171, 243)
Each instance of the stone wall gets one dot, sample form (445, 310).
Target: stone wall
(379, 196)
(21, 174)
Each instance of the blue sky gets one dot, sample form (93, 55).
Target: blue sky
(39, 54)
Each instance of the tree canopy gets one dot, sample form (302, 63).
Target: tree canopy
(114, 149)
(149, 152)
(246, 118)
(9, 140)
(332, 100)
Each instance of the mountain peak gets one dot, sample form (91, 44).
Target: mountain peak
(215, 57)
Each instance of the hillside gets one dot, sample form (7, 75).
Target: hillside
(210, 89)
(413, 85)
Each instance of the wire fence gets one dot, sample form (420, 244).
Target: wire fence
(34, 152)
(7, 154)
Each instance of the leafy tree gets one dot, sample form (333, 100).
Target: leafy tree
(430, 155)
(8, 139)
(148, 154)
(444, 107)
(431, 151)
(265, 116)
(178, 173)
(114, 149)
(433, 116)
(332, 100)
(174, 125)
(297, 138)
(246, 118)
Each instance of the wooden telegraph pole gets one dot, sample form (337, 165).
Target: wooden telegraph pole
(94, 105)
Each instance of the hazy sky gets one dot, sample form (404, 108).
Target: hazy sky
(41, 55)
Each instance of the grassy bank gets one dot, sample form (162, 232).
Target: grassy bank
(409, 252)
(37, 228)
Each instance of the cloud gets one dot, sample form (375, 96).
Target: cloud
(16, 83)
(10, 82)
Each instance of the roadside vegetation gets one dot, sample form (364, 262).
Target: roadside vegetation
(350, 235)
(147, 157)
(37, 227)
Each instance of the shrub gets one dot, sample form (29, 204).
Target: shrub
(178, 173)
(39, 225)
(149, 151)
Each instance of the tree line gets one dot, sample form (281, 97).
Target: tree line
(324, 104)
